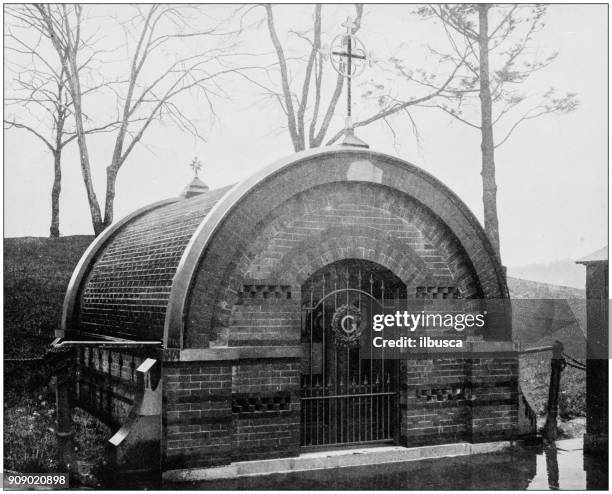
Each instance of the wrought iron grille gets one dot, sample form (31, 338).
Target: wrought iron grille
(346, 396)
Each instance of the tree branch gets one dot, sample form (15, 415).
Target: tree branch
(284, 76)
(32, 131)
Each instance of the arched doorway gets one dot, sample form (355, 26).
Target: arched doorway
(347, 397)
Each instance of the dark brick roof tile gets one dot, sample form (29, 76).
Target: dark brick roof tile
(127, 288)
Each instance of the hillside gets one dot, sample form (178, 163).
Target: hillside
(563, 273)
(523, 288)
(543, 312)
(36, 275)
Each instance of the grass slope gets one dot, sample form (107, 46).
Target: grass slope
(541, 314)
(36, 275)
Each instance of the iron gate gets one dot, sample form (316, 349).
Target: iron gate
(346, 396)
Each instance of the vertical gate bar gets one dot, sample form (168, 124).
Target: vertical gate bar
(348, 410)
(317, 409)
(385, 409)
(370, 399)
(388, 435)
(351, 401)
(359, 279)
(347, 365)
(303, 413)
(375, 411)
(330, 426)
(336, 401)
(396, 402)
(395, 380)
(329, 412)
(382, 360)
(303, 314)
(323, 353)
(331, 405)
(341, 400)
(312, 316)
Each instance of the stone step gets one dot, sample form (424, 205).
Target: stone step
(332, 459)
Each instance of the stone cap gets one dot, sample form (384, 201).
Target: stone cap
(195, 187)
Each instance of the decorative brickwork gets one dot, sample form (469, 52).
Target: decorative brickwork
(259, 291)
(223, 411)
(484, 409)
(437, 292)
(253, 405)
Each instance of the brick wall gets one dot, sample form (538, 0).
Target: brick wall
(267, 409)
(197, 414)
(218, 412)
(433, 402)
(451, 400)
(494, 398)
(258, 321)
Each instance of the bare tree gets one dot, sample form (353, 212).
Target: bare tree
(38, 99)
(502, 35)
(159, 76)
(54, 24)
(49, 94)
(302, 98)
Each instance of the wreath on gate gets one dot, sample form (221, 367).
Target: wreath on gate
(346, 326)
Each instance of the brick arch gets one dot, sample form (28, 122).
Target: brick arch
(220, 248)
(389, 204)
(342, 242)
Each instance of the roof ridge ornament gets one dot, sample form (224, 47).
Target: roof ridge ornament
(196, 186)
(348, 58)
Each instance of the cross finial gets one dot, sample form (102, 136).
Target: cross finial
(195, 165)
(349, 25)
(348, 57)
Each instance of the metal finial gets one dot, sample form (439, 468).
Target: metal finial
(195, 165)
(349, 25)
(348, 58)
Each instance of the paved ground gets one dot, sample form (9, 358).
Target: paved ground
(519, 468)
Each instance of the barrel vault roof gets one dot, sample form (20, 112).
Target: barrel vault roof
(134, 279)
(126, 287)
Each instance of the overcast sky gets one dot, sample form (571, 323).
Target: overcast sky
(552, 174)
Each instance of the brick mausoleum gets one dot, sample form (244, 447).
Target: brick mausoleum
(208, 329)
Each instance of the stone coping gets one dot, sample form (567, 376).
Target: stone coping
(475, 349)
(333, 459)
